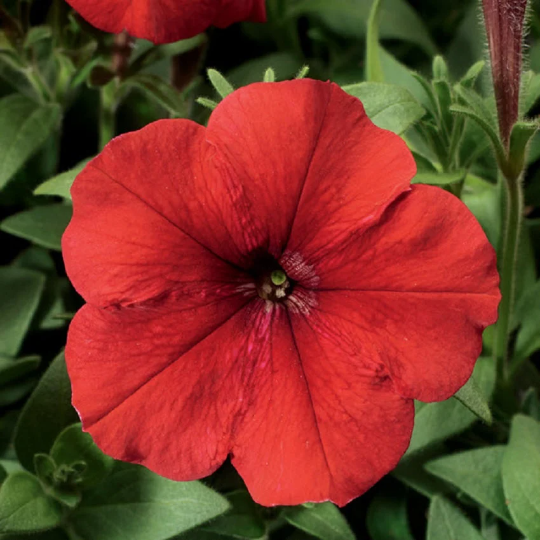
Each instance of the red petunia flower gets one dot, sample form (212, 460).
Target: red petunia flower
(270, 288)
(164, 21)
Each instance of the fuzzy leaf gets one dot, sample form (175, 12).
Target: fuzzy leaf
(133, 502)
(46, 413)
(388, 106)
(20, 292)
(521, 475)
(25, 507)
(446, 522)
(478, 474)
(60, 184)
(472, 397)
(323, 521)
(43, 225)
(25, 127)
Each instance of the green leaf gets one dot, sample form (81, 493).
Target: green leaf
(20, 292)
(531, 90)
(446, 522)
(478, 474)
(43, 225)
(387, 518)
(285, 66)
(25, 507)
(208, 103)
(11, 369)
(348, 18)
(52, 300)
(243, 520)
(472, 397)
(439, 178)
(435, 422)
(17, 390)
(440, 69)
(60, 185)
(73, 445)
(46, 413)
(269, 75)
(521, 475)
(137, 504)
(323, 521)
(152, 54)
(470, 77)
(411, 471)
(374, 71)
(220, 83)
(25, 127)
(520, 137)
(159, 91)
(388, 106)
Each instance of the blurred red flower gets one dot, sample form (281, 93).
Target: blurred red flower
(165, 21)
(273, 289)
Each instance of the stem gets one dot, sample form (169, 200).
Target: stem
(509, 252)
(107, 117)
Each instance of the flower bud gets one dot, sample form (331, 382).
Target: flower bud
(504, 20)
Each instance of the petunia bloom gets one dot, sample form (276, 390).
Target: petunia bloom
(165, 21)
(271, 289)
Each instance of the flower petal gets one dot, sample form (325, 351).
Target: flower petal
(142, 225)
(164, 21)
(161, 384)
(303, 152)
(420, 286)
(316, 408)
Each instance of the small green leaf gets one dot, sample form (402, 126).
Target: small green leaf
(531, 90)
(25, 127)
(11, 369)
(446, 522)
(521, 475)
(435, 422)
(159, 91)
(73, 445)
(208, 103)
(60, 184)
(439, 178)
(16, 390)
(46, 413)
(520, 137)
(269, 75)
(387, 518)
(323, 521)
(243, 520)
(302, 72)
(154, 54)
(374, 71)
(388, 106)
(43, 225)
(20, 292)
(472, 397)
(25, 507)
(147, 506)
(348, 18)
(470, 77)
(220, 83)
(44, 466)
(528, 313)
(440, 68)
(478, 474)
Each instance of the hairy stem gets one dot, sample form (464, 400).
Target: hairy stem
(509, 253)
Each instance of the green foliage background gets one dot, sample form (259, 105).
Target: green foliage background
(472, 471)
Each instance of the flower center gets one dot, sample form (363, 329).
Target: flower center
(273, 285)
